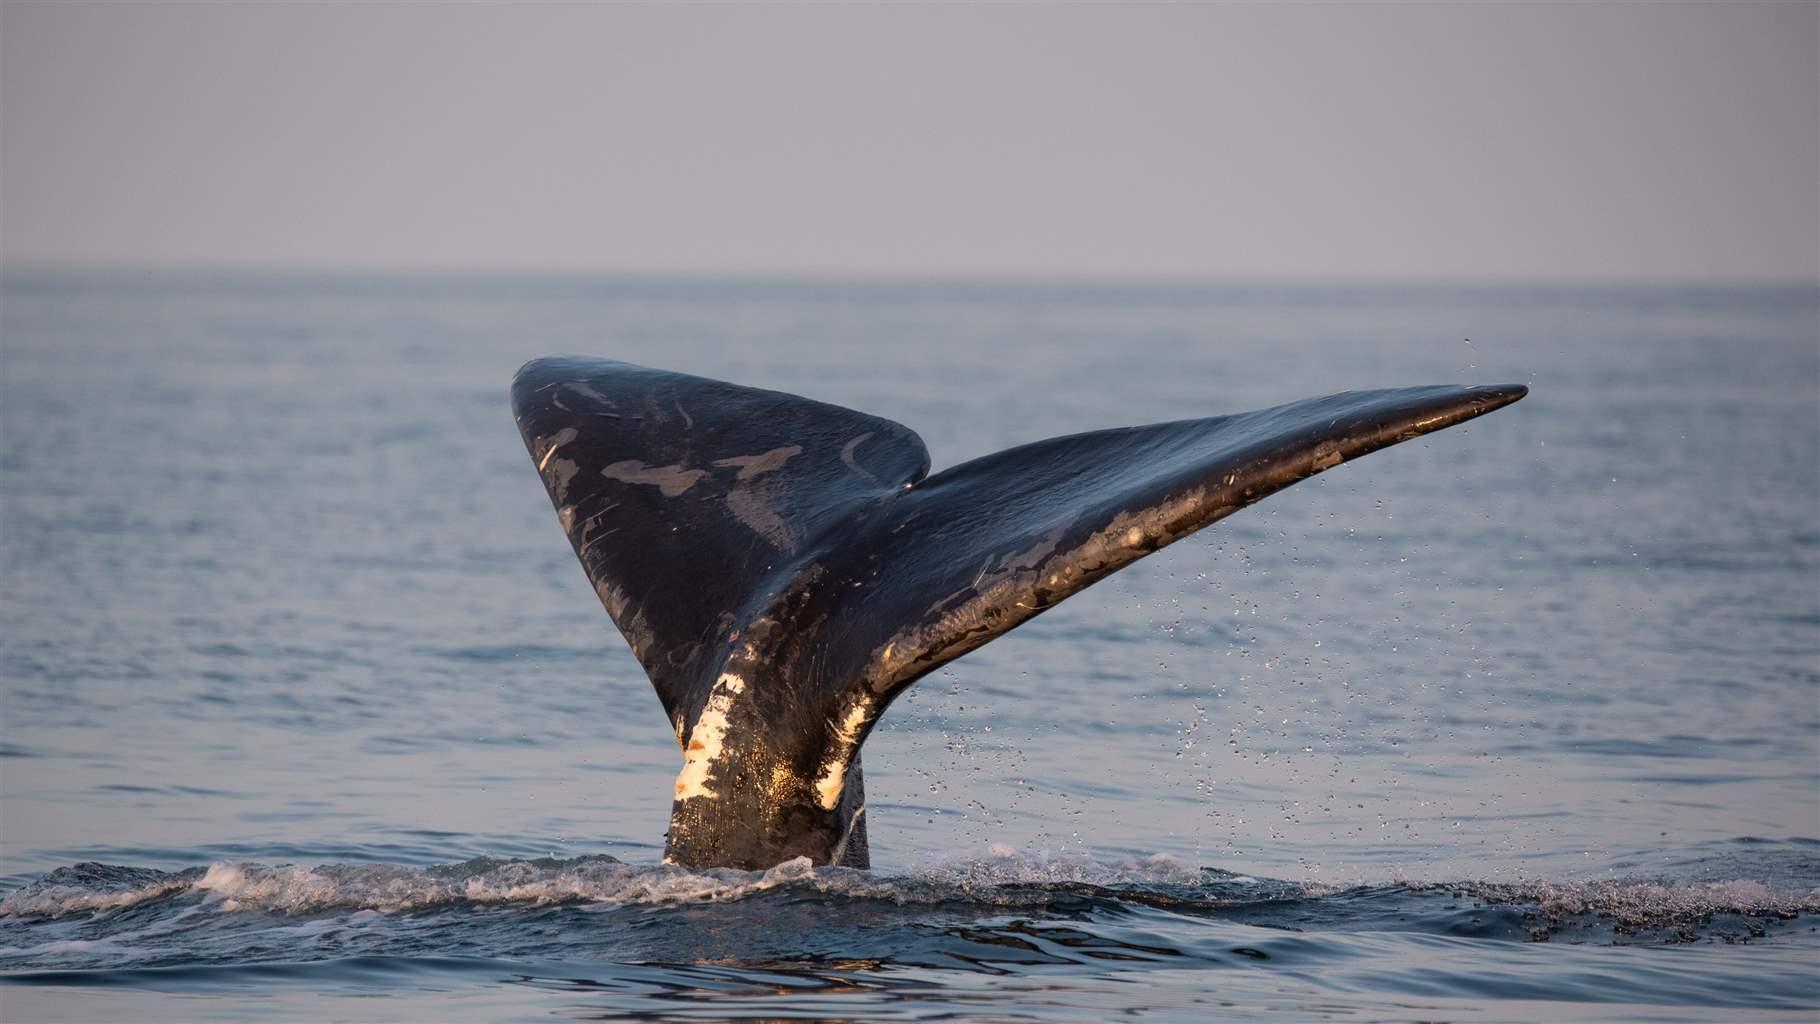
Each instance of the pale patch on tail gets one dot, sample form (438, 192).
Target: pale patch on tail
(842, 744)
(707, 738)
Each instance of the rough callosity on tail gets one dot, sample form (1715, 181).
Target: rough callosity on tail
(783, 568)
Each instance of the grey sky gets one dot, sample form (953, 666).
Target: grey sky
(1593, 141)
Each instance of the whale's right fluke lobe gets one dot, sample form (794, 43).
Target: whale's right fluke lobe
(986, 545)
(784, 568)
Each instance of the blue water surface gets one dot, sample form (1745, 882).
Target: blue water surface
(309, 712)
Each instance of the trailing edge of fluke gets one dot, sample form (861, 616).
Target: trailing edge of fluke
(784, 568)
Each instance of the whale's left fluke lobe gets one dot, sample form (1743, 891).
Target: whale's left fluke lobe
(784, 568)
(683, 496)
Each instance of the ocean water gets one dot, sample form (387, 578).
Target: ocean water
(310, 714)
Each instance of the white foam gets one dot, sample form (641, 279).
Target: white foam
(1638, 903)
(1000, 876)
(1006, 865)
(58, 900)
(289, 888)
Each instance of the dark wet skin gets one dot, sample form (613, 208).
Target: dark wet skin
(783, 568)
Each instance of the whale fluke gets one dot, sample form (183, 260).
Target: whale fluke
(783, 568)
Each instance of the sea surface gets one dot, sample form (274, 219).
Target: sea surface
(310, 714)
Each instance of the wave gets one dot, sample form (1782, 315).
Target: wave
(1637, 906)
(1071, 933)
(293, 889)
(1001, 878)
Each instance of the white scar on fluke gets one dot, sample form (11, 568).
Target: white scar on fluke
(707, 738)
(843, 742)
(670, 481)
(563, 436)
(750, 466)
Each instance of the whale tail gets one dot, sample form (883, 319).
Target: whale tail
(784, 568)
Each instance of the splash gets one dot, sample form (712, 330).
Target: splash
(1002, 877)
(93, 888)
(1671, 911)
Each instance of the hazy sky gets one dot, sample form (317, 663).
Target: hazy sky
(1571, 142)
